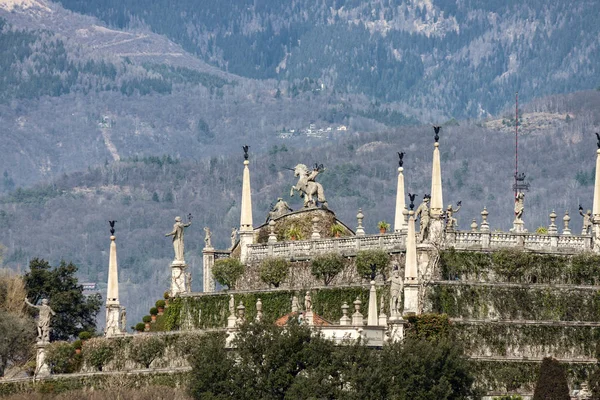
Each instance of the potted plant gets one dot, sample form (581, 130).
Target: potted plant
(337, 230)
(153, 313)
(294, 233)
(383, 226)
(147, 319)
(160, 305)
(77, 345)
(166, 297)
(140, 327)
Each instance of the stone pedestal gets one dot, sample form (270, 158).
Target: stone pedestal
(396, 330)
(382, 319)
(246, 238)
(178, 279)
(231, 320)
(309, 318)
(518, 226)
(41, 368)
(208, 262)
(436, 230)
(113, 315)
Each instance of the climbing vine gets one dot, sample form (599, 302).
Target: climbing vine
(534, 303)
(509, 265)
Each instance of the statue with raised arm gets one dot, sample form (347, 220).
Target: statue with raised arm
(395, 291)
(587, 221)
(424, 218)
(308, 187)
(451, 222)
(43, 323)
(177, 233)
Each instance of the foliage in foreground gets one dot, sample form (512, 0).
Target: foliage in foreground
(272, 362)
(227, 271)
(552, 382)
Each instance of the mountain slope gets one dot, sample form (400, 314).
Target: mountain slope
(465, 58)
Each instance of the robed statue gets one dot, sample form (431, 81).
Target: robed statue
(178, 230)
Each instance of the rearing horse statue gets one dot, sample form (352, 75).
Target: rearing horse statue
(307, 186)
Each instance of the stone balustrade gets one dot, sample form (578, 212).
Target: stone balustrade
(298, 250)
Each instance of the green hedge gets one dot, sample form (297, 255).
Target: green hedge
(211, 311)
(560, 341)
(509, 265)
(534, 303)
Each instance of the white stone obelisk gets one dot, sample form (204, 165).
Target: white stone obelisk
(436, 210)
(411, 286)
(246, 229)
(596, 205)
(399, 224)
(113, 307)
(372, 317)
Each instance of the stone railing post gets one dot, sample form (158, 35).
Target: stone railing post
(208, 262)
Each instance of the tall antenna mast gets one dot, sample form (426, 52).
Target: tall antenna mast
(516, 140)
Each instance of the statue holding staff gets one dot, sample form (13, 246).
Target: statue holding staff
(178, 230)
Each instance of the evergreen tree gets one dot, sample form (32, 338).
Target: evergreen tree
(75, 312)
(552, 382)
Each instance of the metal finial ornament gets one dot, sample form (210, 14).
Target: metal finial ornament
(412, 200)
(400, 159)
(598, 137)
(245, 147)
(190, 217)
(436, 129)
(112, 227)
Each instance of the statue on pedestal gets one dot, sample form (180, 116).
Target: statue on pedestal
(451, 222)
(587, 221)
(308, 187)
(519, 206)
(207, 237)
(424, 218)
(123, 318)
(395, 291)
(178, 230)
(43, 323)
(307, 303)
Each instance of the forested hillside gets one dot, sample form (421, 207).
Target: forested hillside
(67, 218)
(466, 58)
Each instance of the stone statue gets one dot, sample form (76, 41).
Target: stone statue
(123, 318)
(307, 303)
(587, 221)
(43, 323)
(424, 218)
(295, 304)
(231, 305)
(451, 222)
(519, 206)
(207, 237)
(395, 291)
(234, 233)
(279, 209)
(188, 280)
(178, 230)
(308, 187)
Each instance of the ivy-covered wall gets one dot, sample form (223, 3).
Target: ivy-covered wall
(64, 383)
(509, 265)
(523, 340)
(509, 302)
(211, 311)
